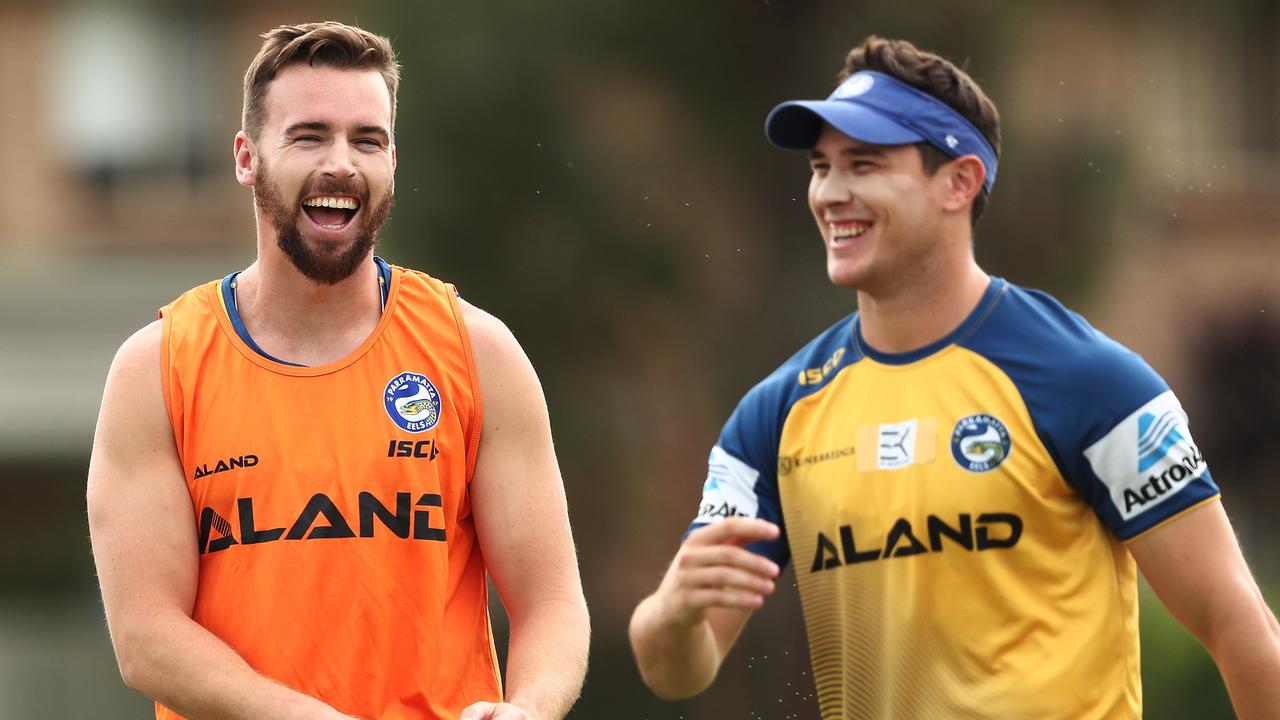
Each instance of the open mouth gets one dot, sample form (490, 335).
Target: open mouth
(331, 212)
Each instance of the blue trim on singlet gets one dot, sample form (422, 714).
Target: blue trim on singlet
(227, 288)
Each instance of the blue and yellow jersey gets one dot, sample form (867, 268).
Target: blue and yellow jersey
(957, 514)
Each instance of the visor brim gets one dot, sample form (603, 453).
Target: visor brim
(796, 125)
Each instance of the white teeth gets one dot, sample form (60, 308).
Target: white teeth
(341, 203)
(848, 231)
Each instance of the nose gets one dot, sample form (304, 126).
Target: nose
(832, 189)
(338, 162)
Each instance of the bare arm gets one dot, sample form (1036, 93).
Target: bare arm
(144, 544)
(682, 632)
(523, 527)
(1196, 568)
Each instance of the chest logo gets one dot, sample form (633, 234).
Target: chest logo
(896, 445)
(980, 442)
(412, 402)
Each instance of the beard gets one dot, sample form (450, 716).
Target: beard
(321, 265)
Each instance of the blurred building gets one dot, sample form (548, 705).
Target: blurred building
(116, 123)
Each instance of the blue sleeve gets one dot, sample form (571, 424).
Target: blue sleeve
(742, 472)
(1112, 425)
(742, 476)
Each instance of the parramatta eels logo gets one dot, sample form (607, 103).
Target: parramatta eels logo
(980, 442)
(412, 402)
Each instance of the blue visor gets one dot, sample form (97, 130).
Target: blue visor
(878, 109)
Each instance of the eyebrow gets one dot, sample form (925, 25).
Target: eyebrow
(378, 130)
(315, 125)
(322, 126)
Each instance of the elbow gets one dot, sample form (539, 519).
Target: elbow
(135, 662)
(666, 668)
(1239, 630)
(671, 693)
(131, 674)
(672, 687)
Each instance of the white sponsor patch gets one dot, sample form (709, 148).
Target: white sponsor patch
(896, 446)
(1148, 457)
(729, 490)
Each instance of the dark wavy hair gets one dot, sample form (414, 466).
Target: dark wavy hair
(321, 44)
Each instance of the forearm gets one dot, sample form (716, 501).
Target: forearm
(1247, 651)
(676, 661)
(184, 667)
(547, 657)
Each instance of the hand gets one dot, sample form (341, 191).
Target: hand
(714, 570)
(493, 711)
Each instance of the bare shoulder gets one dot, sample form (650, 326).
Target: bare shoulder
(489, 335)
(499, 357)
(507, 378)
(133, 413)
(140, 351)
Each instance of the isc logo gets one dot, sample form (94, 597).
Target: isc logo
(813, 376)
(409, 448)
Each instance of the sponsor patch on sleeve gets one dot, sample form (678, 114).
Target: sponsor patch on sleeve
(1148, 457)
(729, 490)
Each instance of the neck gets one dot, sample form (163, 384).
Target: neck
(921, 309)
(297, 319)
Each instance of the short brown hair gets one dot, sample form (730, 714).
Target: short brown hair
(940, 78)
(322, 44)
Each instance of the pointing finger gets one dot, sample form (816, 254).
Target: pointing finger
(734, 531)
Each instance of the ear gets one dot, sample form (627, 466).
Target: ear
(393, 157)
(964, 178)
(246, 156)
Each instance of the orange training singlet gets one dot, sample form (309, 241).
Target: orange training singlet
(338, 553)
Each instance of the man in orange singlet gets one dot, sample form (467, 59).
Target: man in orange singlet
(303, 472)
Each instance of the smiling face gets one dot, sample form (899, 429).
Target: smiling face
(322, 167)
(879, 211)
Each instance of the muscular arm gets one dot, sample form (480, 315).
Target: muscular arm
(144, 545)
(682, 632)
(523, 528)
(1196, 568)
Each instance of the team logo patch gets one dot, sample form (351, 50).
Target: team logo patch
(980, 442)
(1147, 457)
(854, 86)
(412, 402)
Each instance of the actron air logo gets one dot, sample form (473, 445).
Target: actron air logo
(1156, 437)
(1147, 457)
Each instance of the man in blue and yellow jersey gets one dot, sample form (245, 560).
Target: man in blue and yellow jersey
(966, 474)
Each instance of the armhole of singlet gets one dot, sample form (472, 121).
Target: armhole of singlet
(477, 401)
(166, 375)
